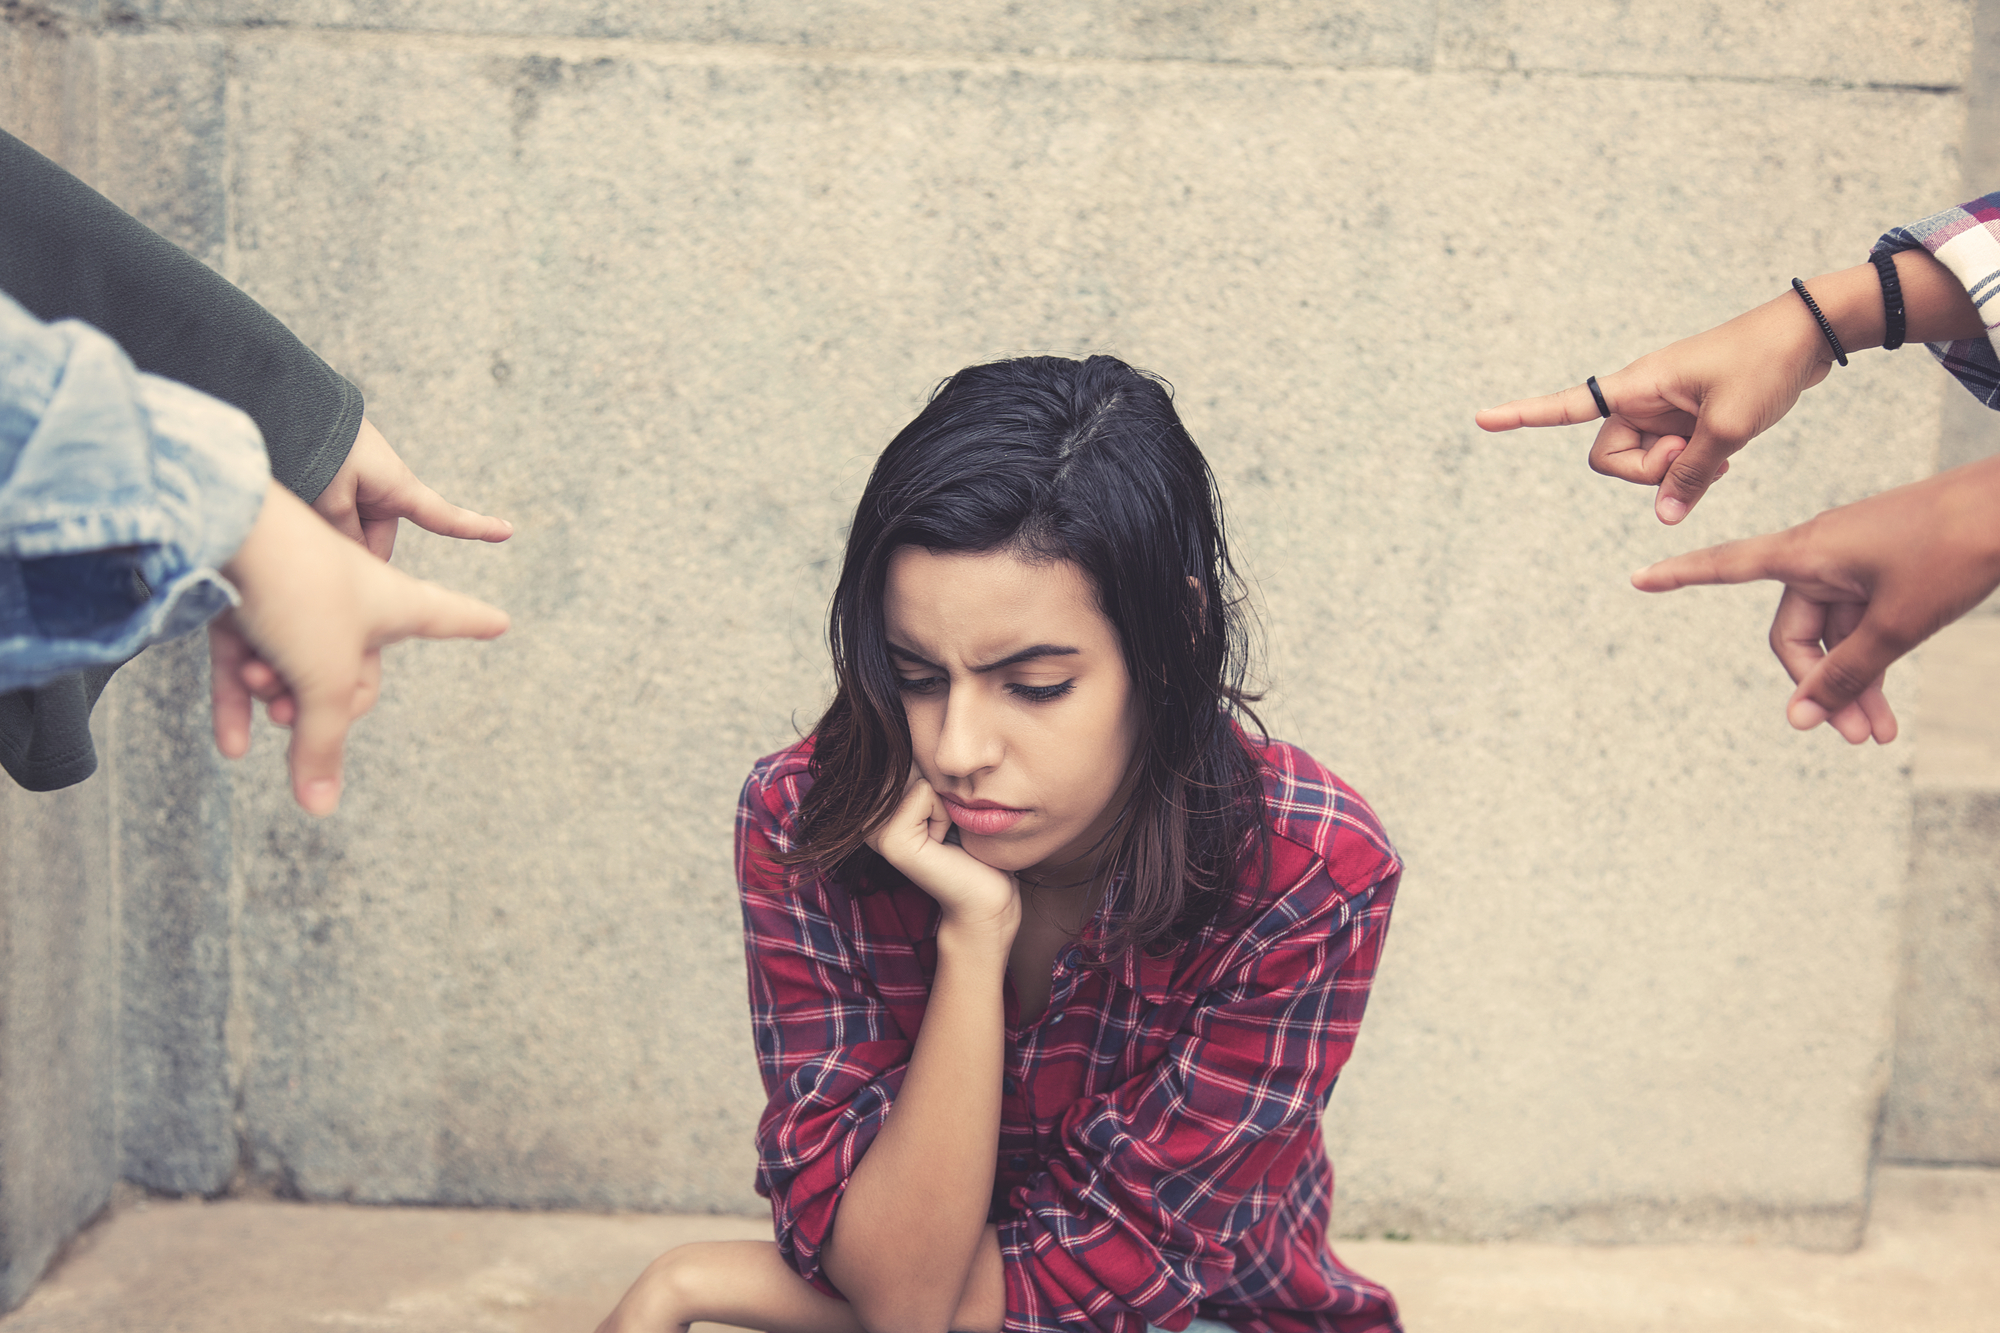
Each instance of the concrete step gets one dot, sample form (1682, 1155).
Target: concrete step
(247, 1266)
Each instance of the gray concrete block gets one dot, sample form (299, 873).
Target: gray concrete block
(1944, 1102)
(58, 1010)
(48, 86)
(1855, 43)
(162, 145)
(177, 1128)
(1346, 32)
(1957, 734)
(662, 308)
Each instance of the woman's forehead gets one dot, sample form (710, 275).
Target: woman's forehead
(974, 608)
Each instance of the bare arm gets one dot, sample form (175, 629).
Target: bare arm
(747, 1283)
(1679, 413)
(909, 1246)
(1864, 584)
(913, 1219)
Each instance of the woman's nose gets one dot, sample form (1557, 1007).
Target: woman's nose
(968, 741)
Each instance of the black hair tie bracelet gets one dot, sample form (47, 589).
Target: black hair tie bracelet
(1892, 299)
(1832, 338)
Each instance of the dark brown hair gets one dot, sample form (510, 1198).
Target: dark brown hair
(1084, 461)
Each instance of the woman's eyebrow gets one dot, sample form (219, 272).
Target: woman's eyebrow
(1011, 659)
(897, 650)
(1028, 655)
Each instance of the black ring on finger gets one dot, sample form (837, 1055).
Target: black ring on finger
(1598, 394)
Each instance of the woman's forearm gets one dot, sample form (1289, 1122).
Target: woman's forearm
(1936, 307)
(912, 1221)
(742, 1282)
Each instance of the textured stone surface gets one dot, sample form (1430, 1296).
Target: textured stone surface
(661, 303)
(176, 1128)
(58, 1002)
(1957, 735)
(1944, 1104)
(1917, 42)
(1342, 32)
(1946, 1087)
(47, 83)
(661, 308)
(257, 1267)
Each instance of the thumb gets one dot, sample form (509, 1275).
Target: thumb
(1693, 470)
(319, 734)
(1853, 664)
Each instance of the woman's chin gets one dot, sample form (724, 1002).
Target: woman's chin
(1003, 851)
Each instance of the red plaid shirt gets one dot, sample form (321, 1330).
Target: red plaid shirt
(1160, 1153)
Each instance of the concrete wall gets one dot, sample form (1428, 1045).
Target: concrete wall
(58, 1024)
(1944, 1094)
(658, 282)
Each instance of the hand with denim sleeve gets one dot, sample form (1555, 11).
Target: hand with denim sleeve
(125, 499)
(317, 610)
(121, 494)
(366, 500)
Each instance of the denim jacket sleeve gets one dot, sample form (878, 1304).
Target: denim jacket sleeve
(1966, 240)
(121, 495)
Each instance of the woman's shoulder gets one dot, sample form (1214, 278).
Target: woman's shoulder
(1314, 816)
(774, 791)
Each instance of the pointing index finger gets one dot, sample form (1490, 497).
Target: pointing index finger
(1571, 407)
(1743, 561)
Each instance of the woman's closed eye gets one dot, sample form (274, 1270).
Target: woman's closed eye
(920, 684)
(1041, 694)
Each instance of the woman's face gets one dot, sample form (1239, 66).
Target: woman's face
(1022, 715)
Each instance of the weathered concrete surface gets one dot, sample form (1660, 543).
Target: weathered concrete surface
(1944, 1098)
(1946, 1086)
(1912, 42)
(1944, 1103)
(1346, 32)
(250, 1267)
(176, 1105)
(660, 303)
(58, 1003)
(690, 293)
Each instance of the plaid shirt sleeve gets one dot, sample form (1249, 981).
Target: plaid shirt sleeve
(1158, 1182)
(830, 1050)
(1965, 240)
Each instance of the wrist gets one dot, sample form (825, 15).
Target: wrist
(978, 941)
(264, 548)
(1851, 300)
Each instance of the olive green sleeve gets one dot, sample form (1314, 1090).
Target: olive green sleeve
(67, 252)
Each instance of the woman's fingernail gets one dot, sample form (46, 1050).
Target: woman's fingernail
(323, 796)
(1671, 510)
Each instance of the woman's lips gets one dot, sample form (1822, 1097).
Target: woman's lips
(983, 817)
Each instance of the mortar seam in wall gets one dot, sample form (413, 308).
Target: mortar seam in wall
(765, 54)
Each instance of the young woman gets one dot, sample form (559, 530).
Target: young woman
(1053, 965)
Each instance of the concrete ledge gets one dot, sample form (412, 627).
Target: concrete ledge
(260, 1267)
